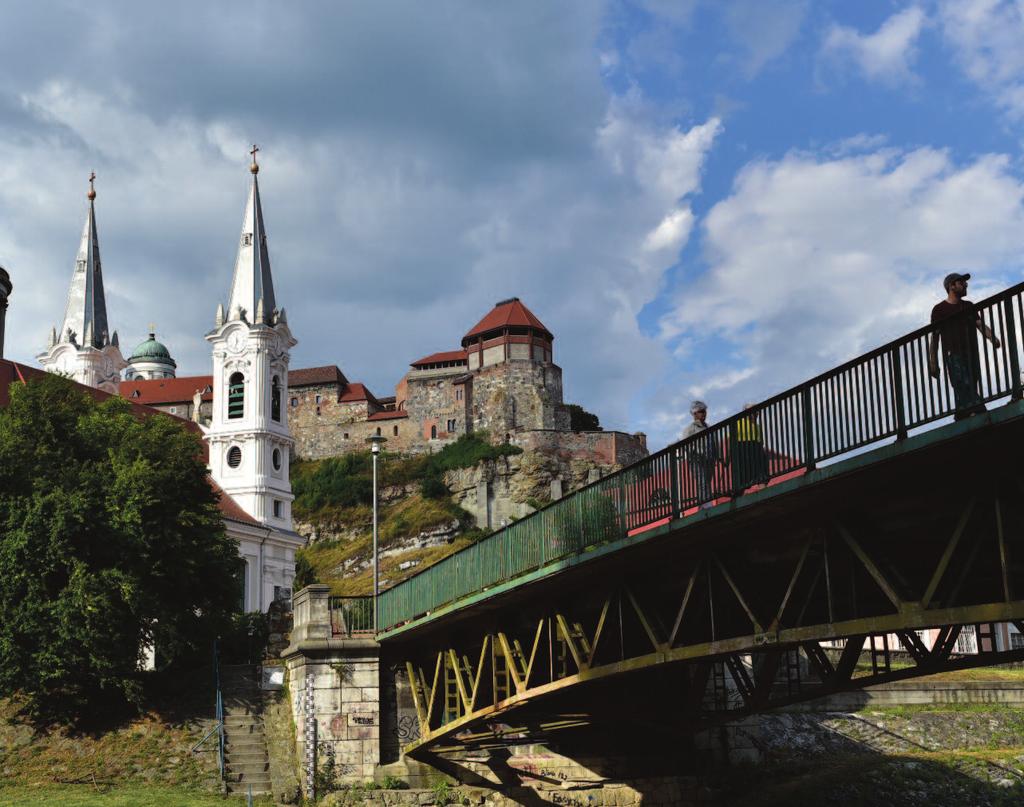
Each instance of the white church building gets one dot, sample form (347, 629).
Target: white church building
(247, 439)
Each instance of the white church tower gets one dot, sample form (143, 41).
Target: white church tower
(248, 435)
(84, 348)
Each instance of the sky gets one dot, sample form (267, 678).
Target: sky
(699, 198)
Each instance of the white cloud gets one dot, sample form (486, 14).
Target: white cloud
(886, 55)
(988, 39)
(391, 230)
(813, 260)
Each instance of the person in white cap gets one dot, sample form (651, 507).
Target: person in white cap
(701, 452)
(958, 318)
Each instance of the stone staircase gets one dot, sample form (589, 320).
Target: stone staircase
(245, 746)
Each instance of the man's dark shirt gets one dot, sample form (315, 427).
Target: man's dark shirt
(959, 324)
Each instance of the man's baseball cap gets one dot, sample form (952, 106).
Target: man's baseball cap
(952, 278)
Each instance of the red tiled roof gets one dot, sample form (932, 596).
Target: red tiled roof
(437, 358)
(167, 390)
(389, 414)
(328, 374)
(357, 392)
(507, 314)
(229, 508)
(11, 372)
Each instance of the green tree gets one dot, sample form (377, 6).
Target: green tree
(580, 420)
(110, 541)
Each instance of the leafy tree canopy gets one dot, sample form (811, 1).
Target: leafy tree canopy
(580, 420)
(110, 541)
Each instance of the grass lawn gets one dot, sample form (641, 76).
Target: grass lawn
(118, 796)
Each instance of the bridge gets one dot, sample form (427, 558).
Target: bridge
(840, 534)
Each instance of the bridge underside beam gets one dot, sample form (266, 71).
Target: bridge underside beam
(799, 600)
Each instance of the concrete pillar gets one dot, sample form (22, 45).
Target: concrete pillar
(337, 680)
(311, 614)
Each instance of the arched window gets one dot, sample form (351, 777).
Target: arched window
(378, 431)
(236, 396)
(275, 399)
(433, 432)
(395, 432)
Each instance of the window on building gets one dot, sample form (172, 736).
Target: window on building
(394, 431)
(458, 393)
(243, 574)
(236, 396)
(277, 508)
(318, 411)
(275, 399)
(234, 457)
(174, 410)
(1017, 641)
(276, 457)
(378, 431)
(294, 402)
(345, 435)
(433, 432)
(451, 425)
(318, 399)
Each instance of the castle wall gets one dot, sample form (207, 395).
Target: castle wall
(518, 395)
(605, 449)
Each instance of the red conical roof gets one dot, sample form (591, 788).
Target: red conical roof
(509, 313)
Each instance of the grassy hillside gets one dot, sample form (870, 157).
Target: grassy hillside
(335, 497)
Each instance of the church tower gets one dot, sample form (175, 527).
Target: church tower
(84, 348)
(248, 436)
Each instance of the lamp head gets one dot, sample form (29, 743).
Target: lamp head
(376, 441)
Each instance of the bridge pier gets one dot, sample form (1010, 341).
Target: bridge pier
(334, 688)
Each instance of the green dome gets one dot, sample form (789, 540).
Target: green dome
(152, 350)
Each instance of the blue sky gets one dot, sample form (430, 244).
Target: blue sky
(714, 198)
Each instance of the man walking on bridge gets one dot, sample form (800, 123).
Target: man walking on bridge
(959, 319)
(701, 452)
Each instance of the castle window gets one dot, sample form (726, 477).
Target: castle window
(276, 457)
(236, 396)
(275, 399)
(378, 431)
(345, 436)
(318, 411)
(294, 402)
(433, 432)
(234, 457)
(395, 431)
(318, 399)
(451, 425)
(458, 393)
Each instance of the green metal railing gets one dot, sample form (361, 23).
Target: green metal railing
(881, 395)
(351, 616)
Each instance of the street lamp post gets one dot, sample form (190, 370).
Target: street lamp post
(376, 441)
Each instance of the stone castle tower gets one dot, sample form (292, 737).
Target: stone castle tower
(248, 436)
(84, 348)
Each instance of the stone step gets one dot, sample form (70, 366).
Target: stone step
(246, 755)
(241, 781)
(242, 721)
(258, 788)
(247, 768)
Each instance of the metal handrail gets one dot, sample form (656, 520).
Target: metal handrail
(883, 394)
(218, 713)
(351, 616)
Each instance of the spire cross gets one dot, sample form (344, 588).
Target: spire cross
(92, 189)
(254, 167)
